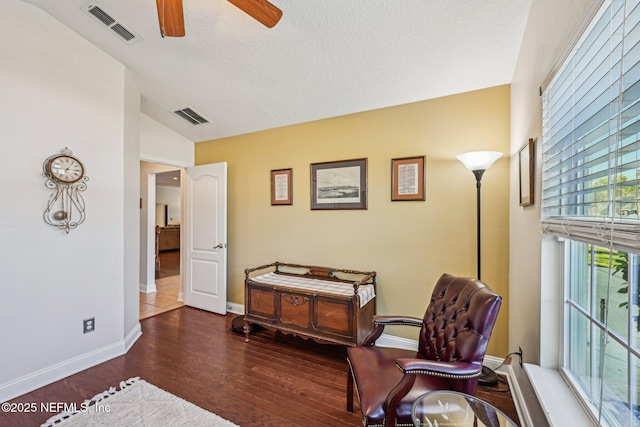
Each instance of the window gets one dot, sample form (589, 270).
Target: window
(603, 339)
(591, 198)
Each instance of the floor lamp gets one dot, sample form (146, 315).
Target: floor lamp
(478, 162)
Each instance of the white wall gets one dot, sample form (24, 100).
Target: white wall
(60, 91)
(159, 144)
(549, 30)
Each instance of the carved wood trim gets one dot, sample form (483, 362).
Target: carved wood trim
(295, 299)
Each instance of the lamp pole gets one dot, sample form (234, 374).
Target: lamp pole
(478, 174)
(478, 162)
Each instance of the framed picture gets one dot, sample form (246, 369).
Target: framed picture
(526, 160)
(339, 185)
(408, 178)
(281, 187)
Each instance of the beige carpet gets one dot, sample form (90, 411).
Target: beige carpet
(137, 404)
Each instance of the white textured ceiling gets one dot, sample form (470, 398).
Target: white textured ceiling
(325, 58)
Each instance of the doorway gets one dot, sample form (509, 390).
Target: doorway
(163, 290)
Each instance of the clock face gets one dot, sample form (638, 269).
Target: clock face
(66, 169)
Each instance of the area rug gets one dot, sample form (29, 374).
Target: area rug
(138, 404)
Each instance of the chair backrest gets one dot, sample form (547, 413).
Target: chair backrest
(459, 320)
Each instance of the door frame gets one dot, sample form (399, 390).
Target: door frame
(151, 235)
(151, 229)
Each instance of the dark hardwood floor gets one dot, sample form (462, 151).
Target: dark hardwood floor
(169, 263)
(273, 380)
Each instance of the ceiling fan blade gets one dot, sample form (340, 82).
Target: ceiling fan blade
(260, 10)
(170, 18)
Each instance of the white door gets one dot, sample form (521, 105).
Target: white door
(206, 237)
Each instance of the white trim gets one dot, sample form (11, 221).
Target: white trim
(518, 398)
(493, 362)
(151, 231)
(148, 288)
(163, 161)
(132, 337)
(386, 340)
(58, 371)
(234, 308)
(559, 404)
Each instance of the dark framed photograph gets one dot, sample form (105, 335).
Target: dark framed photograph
(408, 178)
(281, 188)
(339, 185)
(527, 164)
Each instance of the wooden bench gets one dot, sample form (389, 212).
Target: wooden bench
(320, 303)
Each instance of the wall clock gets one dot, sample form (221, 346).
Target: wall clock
(65, 177)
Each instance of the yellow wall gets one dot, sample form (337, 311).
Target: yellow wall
(409, 244)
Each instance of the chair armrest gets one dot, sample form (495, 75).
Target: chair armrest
(397, 320)
(459, 370)
(379, 322)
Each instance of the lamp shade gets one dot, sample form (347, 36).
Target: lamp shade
(479, 160)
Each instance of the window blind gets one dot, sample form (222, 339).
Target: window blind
(591, 128)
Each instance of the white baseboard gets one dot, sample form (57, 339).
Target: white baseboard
(53, 373)
(518, 398)
(148, 288)
(132, 337)
(397, 342)
(234, 308)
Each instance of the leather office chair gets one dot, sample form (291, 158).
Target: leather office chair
(454, 334)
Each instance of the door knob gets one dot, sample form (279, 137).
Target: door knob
(218, 246)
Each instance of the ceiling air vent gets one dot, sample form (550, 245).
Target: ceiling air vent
(191, 116)
(123, 32)
(118, 28)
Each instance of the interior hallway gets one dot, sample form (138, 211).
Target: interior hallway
(167, 284)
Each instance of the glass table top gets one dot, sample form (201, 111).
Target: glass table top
(451, 408)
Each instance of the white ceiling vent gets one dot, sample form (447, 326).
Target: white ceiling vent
(191, 116)
(118, 28)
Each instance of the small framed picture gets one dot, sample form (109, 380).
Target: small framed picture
(281, 187)
(527, 165)
(408, 178)
(339, 185)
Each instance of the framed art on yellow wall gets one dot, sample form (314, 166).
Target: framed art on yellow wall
(339, 185)
(408, 178)
(281, 188)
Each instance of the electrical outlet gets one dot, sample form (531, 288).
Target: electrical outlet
(88, 325)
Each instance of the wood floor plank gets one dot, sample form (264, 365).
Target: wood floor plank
(273, 380)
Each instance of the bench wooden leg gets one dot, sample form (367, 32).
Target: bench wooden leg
(246, 330)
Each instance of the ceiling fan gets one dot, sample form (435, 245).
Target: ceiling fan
(171, 18)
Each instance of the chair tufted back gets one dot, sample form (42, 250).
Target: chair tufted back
(458, 322)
